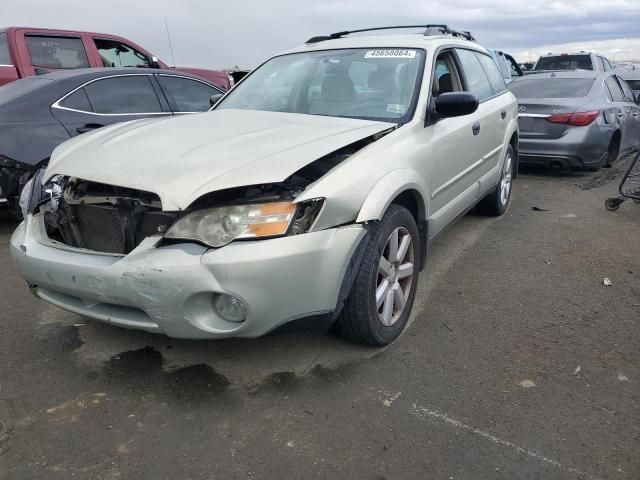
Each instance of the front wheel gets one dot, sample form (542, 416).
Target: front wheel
(496, 203)
(378, 307)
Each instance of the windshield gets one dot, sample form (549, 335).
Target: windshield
(551, 87)
(565, 62)
(371, 84)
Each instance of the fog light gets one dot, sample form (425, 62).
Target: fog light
(230, 308)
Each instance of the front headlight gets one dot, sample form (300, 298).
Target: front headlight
(218, 226)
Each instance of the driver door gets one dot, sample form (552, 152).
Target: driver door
(450, 148)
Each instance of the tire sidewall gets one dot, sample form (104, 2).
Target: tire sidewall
(395, 217)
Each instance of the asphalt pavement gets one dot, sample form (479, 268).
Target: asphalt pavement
(519, 363)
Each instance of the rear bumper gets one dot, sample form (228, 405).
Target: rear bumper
(579, 147)
(171, 289)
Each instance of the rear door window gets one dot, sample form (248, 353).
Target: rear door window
(117, 54)
(491, 69)
(614, 89)
(187, 95)
(476, 78)
(123, 95)
(628, 94)
(56, 52)
(551, 87)
(634, 84)
(5, 58)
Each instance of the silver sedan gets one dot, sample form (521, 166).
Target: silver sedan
(576, 119)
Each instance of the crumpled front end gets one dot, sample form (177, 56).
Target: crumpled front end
(102, 251)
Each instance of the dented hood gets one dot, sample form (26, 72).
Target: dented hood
(185, 157)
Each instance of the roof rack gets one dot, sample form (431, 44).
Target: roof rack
(429, 30)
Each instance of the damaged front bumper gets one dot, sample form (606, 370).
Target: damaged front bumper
(170, 289)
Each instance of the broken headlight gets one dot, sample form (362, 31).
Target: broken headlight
(218, 226)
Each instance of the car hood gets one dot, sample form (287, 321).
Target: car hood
(182, 158)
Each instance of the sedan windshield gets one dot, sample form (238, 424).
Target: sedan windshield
(371, 84)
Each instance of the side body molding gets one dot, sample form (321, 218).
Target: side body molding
(387, 189)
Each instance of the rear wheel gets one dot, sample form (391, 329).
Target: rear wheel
(378, 307)
(496, 203)
(612, 152)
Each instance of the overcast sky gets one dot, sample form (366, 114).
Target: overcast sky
(211, 33)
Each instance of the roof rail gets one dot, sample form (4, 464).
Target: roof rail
(429, 30)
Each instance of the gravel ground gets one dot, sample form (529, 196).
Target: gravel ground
(518, 363)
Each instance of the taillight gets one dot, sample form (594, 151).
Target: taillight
(578, 119)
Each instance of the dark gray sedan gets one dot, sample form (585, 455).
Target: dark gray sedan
(39, 113)
(576, 119)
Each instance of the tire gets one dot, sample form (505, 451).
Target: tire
(363, 319)
(613, 204)
(496, 203)
(612, 152)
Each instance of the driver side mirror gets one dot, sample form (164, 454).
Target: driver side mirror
(456, 104)
(153, 62)
(215, 98)
(638, 98)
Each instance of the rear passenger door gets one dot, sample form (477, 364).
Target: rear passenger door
(635, 112)
(109, 100)
(624, 113)
(483, 79)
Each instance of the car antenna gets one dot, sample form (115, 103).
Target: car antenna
(166, 26)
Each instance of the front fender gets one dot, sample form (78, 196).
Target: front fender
(387, 189)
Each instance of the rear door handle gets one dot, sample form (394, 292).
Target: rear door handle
(620, 115)
(503, 114)
(475, 128)
(88, 127)
(635, 114)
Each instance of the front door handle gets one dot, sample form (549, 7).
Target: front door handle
(475, 128)
(503, 114)
(620, 115)
(88, 127)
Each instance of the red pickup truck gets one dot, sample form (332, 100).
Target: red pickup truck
(31, 51)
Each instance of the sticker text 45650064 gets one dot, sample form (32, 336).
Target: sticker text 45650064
(390, 53)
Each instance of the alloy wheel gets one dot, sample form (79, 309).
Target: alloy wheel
(505, 183)
(395, 276)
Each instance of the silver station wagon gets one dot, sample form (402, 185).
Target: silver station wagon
(307, 196)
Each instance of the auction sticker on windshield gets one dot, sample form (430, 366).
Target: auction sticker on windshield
(390, 53)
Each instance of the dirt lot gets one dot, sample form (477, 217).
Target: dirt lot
(518, 363)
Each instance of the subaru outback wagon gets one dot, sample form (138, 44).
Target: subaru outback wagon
(309, 193)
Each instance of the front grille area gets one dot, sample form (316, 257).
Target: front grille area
(110, 229)
(116, 225)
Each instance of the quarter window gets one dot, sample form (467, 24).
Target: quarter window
(5, 58)
(491, 69)
(118, 54)
(56, 52)
(614, 89)
(477, 81)
(130, 94)
(78, 100)
(187, 95)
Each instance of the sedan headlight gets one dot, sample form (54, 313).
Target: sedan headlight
(218, 226)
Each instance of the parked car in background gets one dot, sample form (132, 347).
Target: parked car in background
(32, 51)
(39, 113)
(576, 119)
(572, 61)
(307, 195)
(631, 75)
(507, 65)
